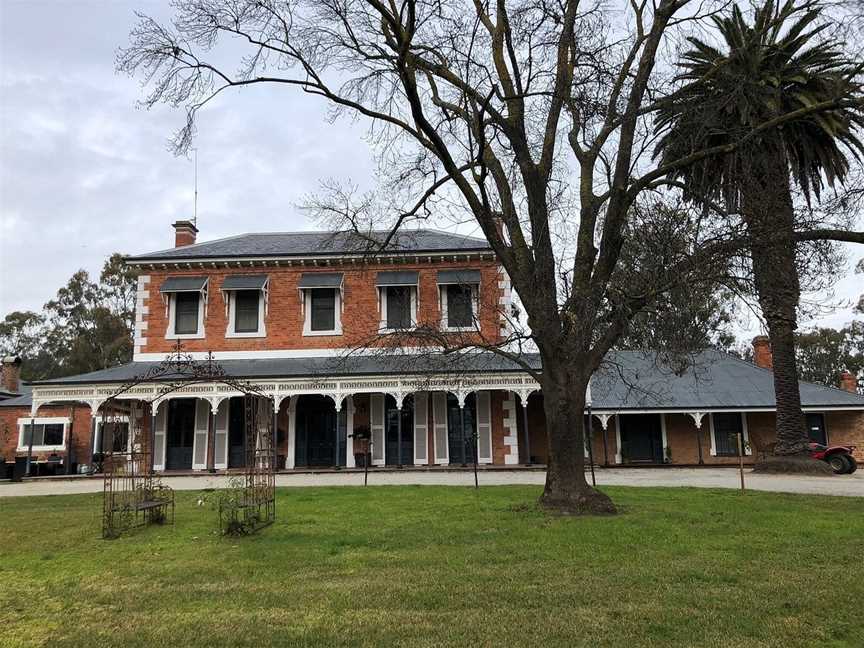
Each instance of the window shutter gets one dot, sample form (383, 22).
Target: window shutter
(199, 449)
(159, 436)
(377, 425)
(484, 428)
(221, 436)
(421, 428)
(439, 421)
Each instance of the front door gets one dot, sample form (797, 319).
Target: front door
(816, 428)
(180, 435)
(461, 441)
(316, 432)
(392, 435)
(237, 432)
(641, 438)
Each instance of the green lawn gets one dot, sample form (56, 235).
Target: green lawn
(431, 566)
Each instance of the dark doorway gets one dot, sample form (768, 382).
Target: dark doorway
(816, 428)
(641, 438)
(461, 442)
(180, 434)
(237, 432)
(321, 434)
(392, 436)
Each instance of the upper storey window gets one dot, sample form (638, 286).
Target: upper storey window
(186, 303)
(397, 294)
(459, 296)
(322, 303)
(186, 313)
(246, 304)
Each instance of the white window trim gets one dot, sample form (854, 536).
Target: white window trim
(42, 421)
(475, 308)
(97, 439)
(172, 315)
(382, 300)
(747, 449)
(307, 314)
(232, 307)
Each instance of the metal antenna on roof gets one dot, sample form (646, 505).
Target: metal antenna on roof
(195, 202)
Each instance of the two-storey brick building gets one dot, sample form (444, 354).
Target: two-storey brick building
(341, 336)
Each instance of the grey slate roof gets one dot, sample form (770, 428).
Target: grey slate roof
(23, 399)
(630, 380)
(639, 380)
(305, 244)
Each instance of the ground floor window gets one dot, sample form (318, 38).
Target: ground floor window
(816, 428)
(321, 432)
(727, 428)
(398, 420)
(41, 433)
(180, 434)
(113, 437)
(461, 438)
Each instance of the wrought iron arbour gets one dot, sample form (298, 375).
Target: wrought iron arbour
(133, 496)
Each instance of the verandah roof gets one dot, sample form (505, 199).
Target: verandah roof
(631, 380)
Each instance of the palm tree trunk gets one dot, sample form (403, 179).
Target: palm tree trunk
(769, 216)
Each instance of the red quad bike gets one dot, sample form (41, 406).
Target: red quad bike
(838, 457)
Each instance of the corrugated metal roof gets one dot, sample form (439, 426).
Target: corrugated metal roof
(304, 244)
(629, 380)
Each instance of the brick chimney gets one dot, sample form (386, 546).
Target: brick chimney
(848, 382)
(762, 355)
(185, 233)
(10, 379)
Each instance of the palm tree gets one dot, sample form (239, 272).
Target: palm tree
(787, 105)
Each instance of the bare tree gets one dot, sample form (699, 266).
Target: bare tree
(536, 114)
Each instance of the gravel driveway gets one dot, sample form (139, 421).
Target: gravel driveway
(845, 485)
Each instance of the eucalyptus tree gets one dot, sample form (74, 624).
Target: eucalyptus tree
(530, 118)
(779, 66)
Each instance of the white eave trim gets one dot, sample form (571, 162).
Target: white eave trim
(312, 261)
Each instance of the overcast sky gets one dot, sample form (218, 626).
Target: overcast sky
(84, 172)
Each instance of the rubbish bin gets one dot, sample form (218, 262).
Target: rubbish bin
(20, 469)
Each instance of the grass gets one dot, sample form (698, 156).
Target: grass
(432, 566)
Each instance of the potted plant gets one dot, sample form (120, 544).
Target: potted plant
(362, 436)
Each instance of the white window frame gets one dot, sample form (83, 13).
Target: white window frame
(172, 316)
(307, 313)
(475, 308)
(45, 420)
(748, 450)
(97, 438)
(382, 299)
(232, 311)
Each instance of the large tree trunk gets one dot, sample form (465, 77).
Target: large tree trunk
(769, 217)
(567, 491)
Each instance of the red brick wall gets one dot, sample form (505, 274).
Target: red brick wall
(284, 319)
(846, 428)
(79, 432)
